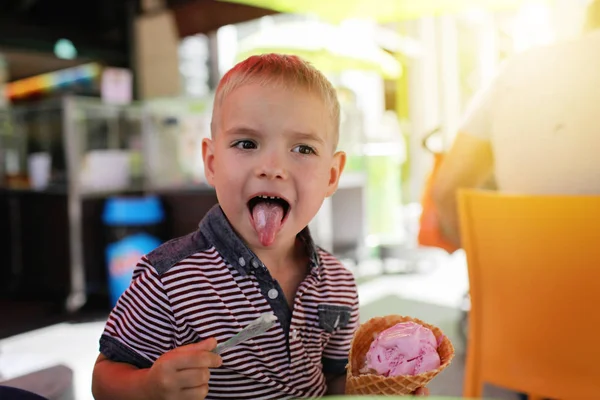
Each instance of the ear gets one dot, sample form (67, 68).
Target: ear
(337, 167)
(208, 155)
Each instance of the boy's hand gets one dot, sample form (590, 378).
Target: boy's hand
(423, 391)
(182, 373)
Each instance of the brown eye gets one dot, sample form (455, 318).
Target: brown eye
(304, 149)
(245, 144)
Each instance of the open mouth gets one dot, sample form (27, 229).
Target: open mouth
(268, 214)
(271, 201)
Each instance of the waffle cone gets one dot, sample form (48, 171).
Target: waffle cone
(357, 383)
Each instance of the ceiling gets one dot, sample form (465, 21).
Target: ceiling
(101, 30)
(29, 29)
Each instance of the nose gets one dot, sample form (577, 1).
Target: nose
(272, 166)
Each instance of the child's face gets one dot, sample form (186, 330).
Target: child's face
(278, 142)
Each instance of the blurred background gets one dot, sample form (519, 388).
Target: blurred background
(103, 107)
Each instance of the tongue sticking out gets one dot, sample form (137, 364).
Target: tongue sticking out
(267, 221)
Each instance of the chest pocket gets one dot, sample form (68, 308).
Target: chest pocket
(332, 317)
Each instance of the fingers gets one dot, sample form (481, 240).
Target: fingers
(197, 393)
(193, 378)
(206, 345)
(197, 355)
(183, 373)
(423, 391)
(172, 383)
(199, 359)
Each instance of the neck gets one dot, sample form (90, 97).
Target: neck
(277, 258)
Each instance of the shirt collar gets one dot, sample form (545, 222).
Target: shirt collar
(217, 229)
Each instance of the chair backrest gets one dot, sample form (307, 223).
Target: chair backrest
(534, 273)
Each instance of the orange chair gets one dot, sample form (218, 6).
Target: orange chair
(534, 273)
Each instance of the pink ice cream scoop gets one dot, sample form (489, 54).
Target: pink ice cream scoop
(406, 348)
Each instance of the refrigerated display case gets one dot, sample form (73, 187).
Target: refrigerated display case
(173, 134)
(53, 237)
(95, 150)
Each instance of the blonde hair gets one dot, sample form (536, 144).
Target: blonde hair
(279, 69)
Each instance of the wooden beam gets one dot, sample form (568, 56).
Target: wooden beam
(204, 16)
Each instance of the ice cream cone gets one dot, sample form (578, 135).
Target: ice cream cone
(357, 383)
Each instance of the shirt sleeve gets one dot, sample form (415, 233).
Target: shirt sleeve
(478, 118)
(335, 353)
(141, 326)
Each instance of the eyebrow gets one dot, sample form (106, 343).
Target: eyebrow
(309, 136)
(242, 131)
(245, 131)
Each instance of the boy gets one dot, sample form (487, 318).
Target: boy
(272, 160)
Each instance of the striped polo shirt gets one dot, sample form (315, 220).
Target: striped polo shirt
(210, 284)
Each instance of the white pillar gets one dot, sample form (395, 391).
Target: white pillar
(424, 110)
(448, 64)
